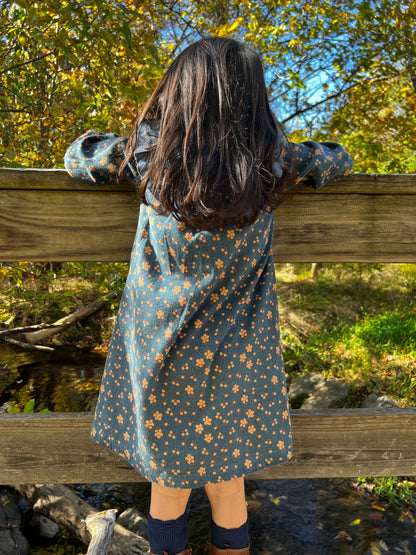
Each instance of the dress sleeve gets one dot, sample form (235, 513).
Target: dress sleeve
(95, 157)
(315, 164)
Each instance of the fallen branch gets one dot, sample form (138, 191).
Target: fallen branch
(101, 528)
(28, 337)
(62, 505)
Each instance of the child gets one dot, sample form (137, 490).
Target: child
(193, 393)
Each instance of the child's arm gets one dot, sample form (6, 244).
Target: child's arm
(315, 164)
(96, 157)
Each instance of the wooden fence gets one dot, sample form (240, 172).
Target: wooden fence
(46, 216)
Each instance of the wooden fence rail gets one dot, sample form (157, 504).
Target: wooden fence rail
(46, 216)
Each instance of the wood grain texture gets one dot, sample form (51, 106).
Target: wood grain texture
(56, 448)
(58, 179)
(45, 216)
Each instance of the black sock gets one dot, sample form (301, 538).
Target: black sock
(235, 538)
(168, 535)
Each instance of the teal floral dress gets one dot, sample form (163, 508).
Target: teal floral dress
(194, 388)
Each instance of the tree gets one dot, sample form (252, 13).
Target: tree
(70, 65)
(75, 65)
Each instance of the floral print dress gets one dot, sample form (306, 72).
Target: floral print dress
(194, 388)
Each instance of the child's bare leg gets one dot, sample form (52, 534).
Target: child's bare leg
(168, 503)
(228, 503)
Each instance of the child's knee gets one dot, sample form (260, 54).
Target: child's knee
(225, 489)
(174, 493)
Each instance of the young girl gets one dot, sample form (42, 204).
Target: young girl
(193, 393)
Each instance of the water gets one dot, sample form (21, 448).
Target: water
(300, 517)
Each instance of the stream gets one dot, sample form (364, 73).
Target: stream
(300, 517)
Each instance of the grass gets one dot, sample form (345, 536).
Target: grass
(356, 323)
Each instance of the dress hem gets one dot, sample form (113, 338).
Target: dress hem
(196, 480)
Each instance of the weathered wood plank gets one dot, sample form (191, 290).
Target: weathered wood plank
(56, 447)
(58, 179)
(98, 225)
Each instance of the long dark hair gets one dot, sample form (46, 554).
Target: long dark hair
(214, 161)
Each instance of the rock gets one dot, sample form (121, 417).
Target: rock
(313, 391)
(12, 541)
(134, 521)
(305, 385)
(46, 527)
(374, 401)
(327, 395)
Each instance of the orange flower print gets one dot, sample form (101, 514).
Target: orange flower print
(281, 445)
(189, 390)
(158, 433)
(190, 459)
(157, 415)
(236, 453)
(208, 438)
(149, 424)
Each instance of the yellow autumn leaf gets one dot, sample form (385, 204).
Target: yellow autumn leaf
(228, 28)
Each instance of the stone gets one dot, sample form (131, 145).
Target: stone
(327, 395)
(313, 391)
(134, 521)
(305, 385)
(374, 401)
(46, 527)
(12, 541)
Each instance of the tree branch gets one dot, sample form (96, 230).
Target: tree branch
(33, 60)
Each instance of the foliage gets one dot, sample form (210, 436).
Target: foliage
(399, 492)
(70, 65)
(344, 68)
(28, 408)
